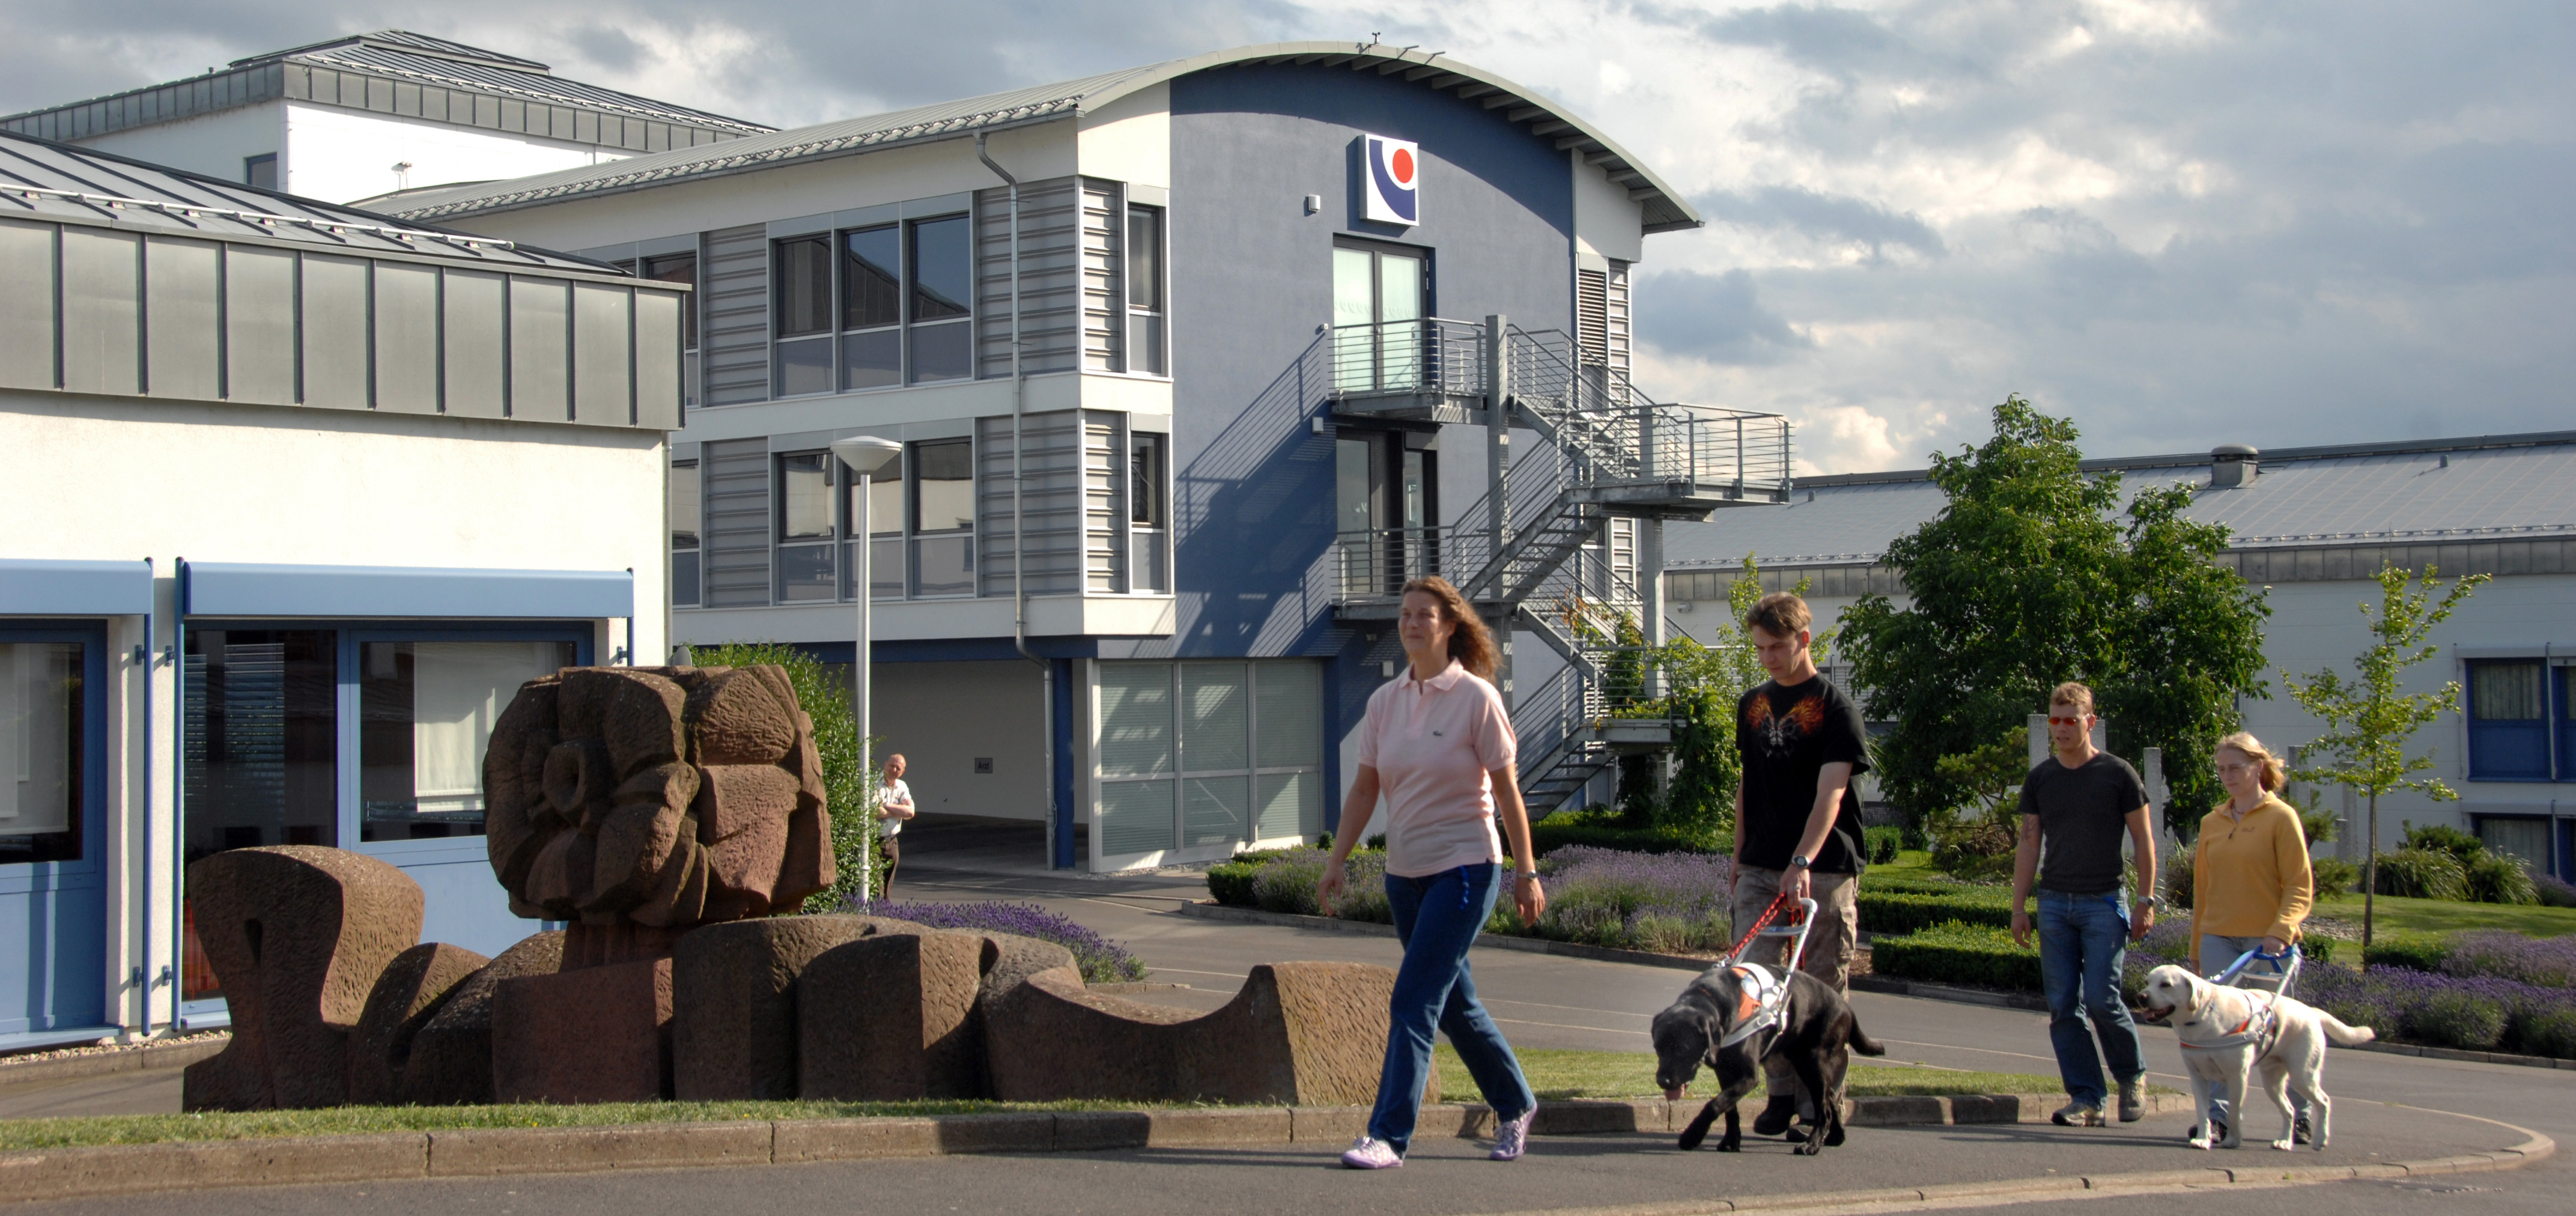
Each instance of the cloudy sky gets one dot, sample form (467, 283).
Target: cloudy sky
(2183, 223)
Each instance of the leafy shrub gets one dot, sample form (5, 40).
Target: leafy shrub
(848, 794)
(1102, 961)
(1906, 911)
(2334, 876)
(2543, 962)
(2546, 1032)
(1286, 883)
(2456, 1019)
(2553, 893)
(2175, 873)
(2443, 838)
(2423, 874)
(1977, 848)
(2410, 951)
(1602, 828)
(1956, 953)
(2494, 878)
(1230, 882)
(1883, 844)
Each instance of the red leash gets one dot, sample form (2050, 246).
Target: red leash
(1760, 923)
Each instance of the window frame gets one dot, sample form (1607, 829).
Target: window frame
(91, 805)
(837, 331)
(2487, 736)
(835, 528)
(1157, 315)
(251, 165)
(688, 468)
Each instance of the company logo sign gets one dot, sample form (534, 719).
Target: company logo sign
(1393, 193)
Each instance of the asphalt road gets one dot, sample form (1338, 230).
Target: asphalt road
(2386, 1109)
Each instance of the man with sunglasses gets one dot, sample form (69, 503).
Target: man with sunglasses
(2074, 806)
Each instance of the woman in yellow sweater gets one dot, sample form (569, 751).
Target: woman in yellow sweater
(2250, 884)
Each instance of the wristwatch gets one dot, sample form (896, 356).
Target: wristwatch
(1801, 862)
(1517, 875)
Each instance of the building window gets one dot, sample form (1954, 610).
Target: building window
(1381, 294)
(1145, 345)
(426, 710)
(894, 306)
(942, 487)
(42, 748)
(805, 528)
(1207, 756)
(684, 533)
(260, 172)
(885, 533)
(1148, 514)
(2508, 720)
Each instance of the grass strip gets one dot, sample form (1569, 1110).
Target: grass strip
(1556, 1075)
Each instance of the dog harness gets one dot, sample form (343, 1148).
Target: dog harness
(2256, 1029)
(1761, 992)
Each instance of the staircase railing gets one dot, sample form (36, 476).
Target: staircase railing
(1427, 355)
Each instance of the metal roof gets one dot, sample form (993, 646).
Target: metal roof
(58, 183)
(1665, 208)
(2479, 488)
(387, 55)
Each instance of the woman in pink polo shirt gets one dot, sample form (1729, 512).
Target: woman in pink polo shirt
(1438, 745)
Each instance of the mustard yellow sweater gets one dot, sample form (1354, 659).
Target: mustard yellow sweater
(2249, 877)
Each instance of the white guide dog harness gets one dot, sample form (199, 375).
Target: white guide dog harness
(1762, 991)
(2258, 1028)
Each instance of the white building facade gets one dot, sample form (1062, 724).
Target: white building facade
(301, 496)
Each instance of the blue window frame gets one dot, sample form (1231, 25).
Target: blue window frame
(361, 735)
(53, 909)
(2509, 712)
(2562, 679)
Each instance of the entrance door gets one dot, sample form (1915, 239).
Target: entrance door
(53, 776)
(1386, 510)
(1380, 295)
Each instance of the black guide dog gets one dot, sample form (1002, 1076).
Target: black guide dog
(1815, 1036)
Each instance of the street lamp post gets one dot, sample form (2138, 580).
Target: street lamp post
(865, 456)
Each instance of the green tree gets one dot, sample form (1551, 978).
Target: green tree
(2034, 574)
(1703, 682)
(2368, 721)
(849, 796)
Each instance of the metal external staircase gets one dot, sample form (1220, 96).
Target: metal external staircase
(1528, 552)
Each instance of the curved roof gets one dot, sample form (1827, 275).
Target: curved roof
(1665, 208)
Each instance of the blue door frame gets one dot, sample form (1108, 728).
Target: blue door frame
(53, 914)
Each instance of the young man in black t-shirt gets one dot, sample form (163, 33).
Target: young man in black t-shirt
(1797, 817)
(2075, 807)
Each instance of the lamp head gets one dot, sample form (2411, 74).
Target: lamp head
(866, 455)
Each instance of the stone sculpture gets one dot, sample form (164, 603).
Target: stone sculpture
(451, 1057)
(298, 935)
(414, 988)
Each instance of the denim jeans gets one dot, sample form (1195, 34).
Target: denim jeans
(1437, 918)
(2082, 940)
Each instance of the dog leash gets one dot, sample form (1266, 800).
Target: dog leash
(2285, 965)
(1761, 994)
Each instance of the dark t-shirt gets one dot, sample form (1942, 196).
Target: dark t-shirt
(1786, 736)
(2083, 813)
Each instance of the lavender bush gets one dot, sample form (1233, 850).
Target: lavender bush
(1672, 903)
(2547, 962)
(1102, 960)
(2476, 1013)
(1286, 883)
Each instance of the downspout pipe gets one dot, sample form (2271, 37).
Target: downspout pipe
(142, 970)
(1019, 521)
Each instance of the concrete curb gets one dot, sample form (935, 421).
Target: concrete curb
(105, 1063)
(1888, 985)
(90, 1172)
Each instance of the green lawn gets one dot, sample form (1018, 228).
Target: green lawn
(2396, 914)
(1560, 1074)
(1554, 1074)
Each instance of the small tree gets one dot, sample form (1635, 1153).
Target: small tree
(2368, 722)
(1703, 683)
(849, 794)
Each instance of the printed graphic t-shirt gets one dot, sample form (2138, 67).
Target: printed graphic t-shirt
(2083, 815)
(1786, 736)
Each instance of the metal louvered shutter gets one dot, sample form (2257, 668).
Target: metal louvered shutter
(1615, 317)
(734, 345)
(1104, 289)
(737, 528)
(1592, 315)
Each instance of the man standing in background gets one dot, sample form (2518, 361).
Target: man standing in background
(2074, 805)
(1797, 818)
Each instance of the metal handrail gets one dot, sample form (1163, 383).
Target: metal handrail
(1430, 354)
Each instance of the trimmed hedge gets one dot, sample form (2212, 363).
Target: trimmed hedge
(1230, 883)
(1550, 834)
(2413, 951)
(1909, 911)
(1955, 953)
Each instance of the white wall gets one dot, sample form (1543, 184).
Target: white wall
(213, 144)
(341, 155)
(943, 715)
(1606, 221)
(1131, 139)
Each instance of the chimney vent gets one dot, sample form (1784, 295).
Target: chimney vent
(2232, 466)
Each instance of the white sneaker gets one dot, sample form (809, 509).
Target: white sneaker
(1511, 1138)
(1371, 1153)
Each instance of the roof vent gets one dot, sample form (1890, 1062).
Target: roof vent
(2232, 466)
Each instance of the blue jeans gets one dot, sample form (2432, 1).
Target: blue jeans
(1437, 918)
(2082, 940)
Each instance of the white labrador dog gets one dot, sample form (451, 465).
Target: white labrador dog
(2228, 1034)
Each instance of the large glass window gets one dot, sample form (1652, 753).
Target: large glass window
(41, 719)
(805, 528)
(943, 518)
(899, 297)
(1205, 755)
(425, 714)
(1380, 295)
(885, 530)
(2508, 721)
(682, 268)
(1145, 290)
(686, 508)
(1148, 517)
(261, 738)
